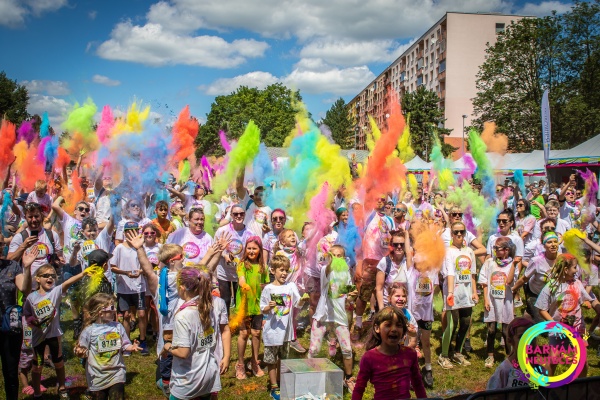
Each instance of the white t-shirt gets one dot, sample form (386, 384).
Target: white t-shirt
(71, 233)
(507, 376)
(278, 325)
(198, 374)
(219, 317)
(191, 202)
(46, 309)
(526, 224)
(227, 272)
(516, 239)
(323, 246)
(269, 239)
(103, 209)
(152, 253)
(194, 246)
(45, 200)
(376, 239)
(537, 272)
(120, 232)
(447, 237)
(422, 285)
(256, 216)
(499, 292)
(105, 343)
(461, 264)
(398, 273)
(44, 247)
(126, 259)
(570, 212)
(565, 302)
(332, 304)
(173, 304)
(561, 227)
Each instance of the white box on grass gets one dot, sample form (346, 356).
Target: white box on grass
(314, 376)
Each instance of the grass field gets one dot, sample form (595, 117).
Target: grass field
(447, 383)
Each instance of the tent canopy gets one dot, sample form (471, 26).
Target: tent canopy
(417, 164)
(586, 154)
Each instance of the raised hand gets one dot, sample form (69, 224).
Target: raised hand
(134, 239)
(30, 256)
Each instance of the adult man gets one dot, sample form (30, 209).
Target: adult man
(71, 225)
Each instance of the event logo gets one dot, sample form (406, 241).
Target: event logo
(566, 348)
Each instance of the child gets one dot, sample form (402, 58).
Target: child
(496, 277)
(252, 276)
(399, 298)
(507, 375)
(164, 225)
(103, 342)
(336, 286)
(42, 311)
(195, 373)
(277, 302)
(387, 364)
(26, 359)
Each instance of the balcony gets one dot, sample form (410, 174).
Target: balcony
(442, 76)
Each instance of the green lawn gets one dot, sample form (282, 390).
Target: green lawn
(141, 370)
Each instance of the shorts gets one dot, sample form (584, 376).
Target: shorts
(425, 325)
(114, 392)
(272, 354)
(313, 285)
(126, 301)
(367, 280)
(26, 359)
(254, 322)
(55, 351)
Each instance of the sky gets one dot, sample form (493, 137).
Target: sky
(173, 53)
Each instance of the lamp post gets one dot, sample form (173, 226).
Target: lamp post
(463, 132)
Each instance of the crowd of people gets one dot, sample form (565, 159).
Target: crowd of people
(124, 262)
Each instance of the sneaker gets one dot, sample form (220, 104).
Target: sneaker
(144, 346)
(294, 344)
(126, 353)
(63, 395)
(518, 303)
(240, 371)
(489, 362)
(467, 345)
(445, 362)
(460, 360)
(256, 370)
(350, 383)
(275, 393)
(164, 388)
(370, 316)
(427, 378)
(332, 347)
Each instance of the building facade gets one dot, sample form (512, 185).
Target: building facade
(446, 59)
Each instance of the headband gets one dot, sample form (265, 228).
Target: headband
(549, 236)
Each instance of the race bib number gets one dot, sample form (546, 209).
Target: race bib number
(109, 342)
(42, 251)
(27, 336)
(462, 271)
(498, 285)
(191, 250)
(260, 217)
(87, 247)
(424, 286)
(235, 247)
(44, 310)
(206, 341)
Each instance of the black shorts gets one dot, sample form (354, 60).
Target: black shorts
(253, 322)
(126, 301)
(425, 325)
(55, 353)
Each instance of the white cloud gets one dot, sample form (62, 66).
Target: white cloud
(13, 12)
(57, 109)
(151, 44)
(52, 88)
(545, 8)
(349, 53)
(92, 14)
(41, 6)
(105, 80)
(256, 79)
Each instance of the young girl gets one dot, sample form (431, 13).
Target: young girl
(152, 247)
(388, 365)
(195, 373)
(252, 276)
(102, 342)
(42, 312)
(331, 310)
(399, 298)
(496, 277)
(508, 373)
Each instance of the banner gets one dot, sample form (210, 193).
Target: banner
(546, 128)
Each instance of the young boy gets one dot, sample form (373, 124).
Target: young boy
(162, 222)
(277, 302)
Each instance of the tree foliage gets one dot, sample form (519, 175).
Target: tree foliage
(272, 109)
(341, 124)
(13, 100)
(560, 53)
(425, 119)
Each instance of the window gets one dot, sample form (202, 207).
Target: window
(419, 81)
(442, 66)
(499, 27)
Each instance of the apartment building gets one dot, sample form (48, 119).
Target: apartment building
(445, 59)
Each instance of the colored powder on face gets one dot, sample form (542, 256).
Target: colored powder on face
(520, 181)
(184, 170)
(107, 122)
(7, 143)
(405, 151)
(26, 132)
(572, 240)
(224, 141)
(467, 172)
(496, 142)
(429, 247)
(45, 126)
(442, 167)
(484, 171)
(185, 131)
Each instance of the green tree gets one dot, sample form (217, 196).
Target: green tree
(340, 123)
(272, 109)
(13, 100)
(426, 119)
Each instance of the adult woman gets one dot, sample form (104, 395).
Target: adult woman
(525, 221)
(278, 220)
(506, 223)
(178, 215)
(13, 276)
(456, 215)
(394, 267)
(132, 212)
(536, 274)
(194, 240)
(460, 293)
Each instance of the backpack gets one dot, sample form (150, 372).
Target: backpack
(388, 266)
(11, 319)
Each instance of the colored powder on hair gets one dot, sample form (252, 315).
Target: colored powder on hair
(496, 142)
(484, 171)
(520, 181)
(185, 131)
(467, 172)
(224, 142)
(105, 126)
(7, 143)
(442, 167)
(26, 132)
(429, 247)
(45, 126)
(184, 170)
(405, 151)
(573, 242)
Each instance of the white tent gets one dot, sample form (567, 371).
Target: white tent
(417, 164)
(586, 154)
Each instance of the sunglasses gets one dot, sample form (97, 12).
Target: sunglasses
(177, 257)
(456, 214)
(109, 309)
(548, 229)
(276, 219)
(521, 205)
(496, 248)
(502, 221)
(398, 244)
(569, 194)
(238, 214)
(460, 232)
(150, 233)
(83, 209)
(400, 210)
(47, 276)
(134, 205)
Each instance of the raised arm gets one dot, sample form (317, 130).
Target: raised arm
(56, 207)
(136, 241)
(239, 185)
(177, 193)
